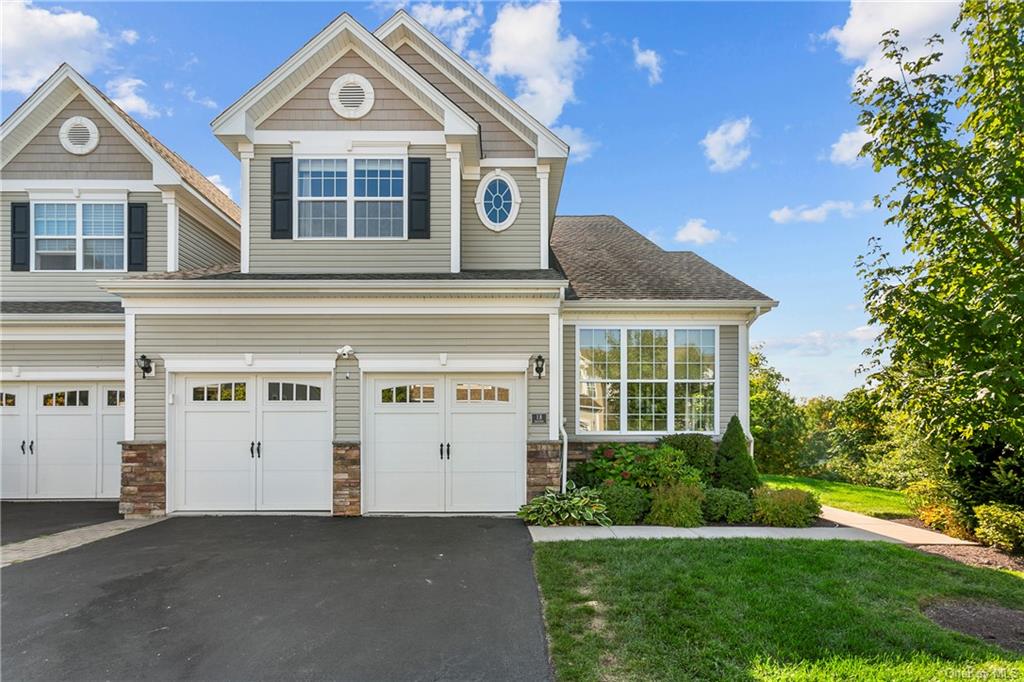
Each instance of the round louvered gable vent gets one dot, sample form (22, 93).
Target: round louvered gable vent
(79, 135)
(351, 96)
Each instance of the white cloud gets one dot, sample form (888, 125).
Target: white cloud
(857, 39)
(455, 25)
(219, 184)
(845, 150)
(696, 231)
(528, 46)
(129, 36)
(815, 214)
(581, 146)
(820, 343)
(192, 96)
(34, 41)
(125, 93)
(726, 146)
(648, 60)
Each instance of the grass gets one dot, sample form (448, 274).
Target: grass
(762, 609)
(880, 502)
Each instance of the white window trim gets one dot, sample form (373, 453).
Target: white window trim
(517, 199)
(351, 79)
(79, 236)
(350, 199)
(670, 381)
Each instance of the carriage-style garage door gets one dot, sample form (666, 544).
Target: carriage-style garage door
(444, 443)
(60, 440)
(252, 443)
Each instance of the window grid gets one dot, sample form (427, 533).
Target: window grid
(481, 393)
(229, 391)
(115, 398)
(286, 391)
(655, 400)
(78, 236)
(411, 393)
(66, 399)
(350, 198)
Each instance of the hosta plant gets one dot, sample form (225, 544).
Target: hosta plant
(574, 507)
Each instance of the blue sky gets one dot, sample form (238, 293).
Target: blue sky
(717, 127)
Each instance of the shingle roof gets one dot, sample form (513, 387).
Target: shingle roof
(604, 258)
(61, 308)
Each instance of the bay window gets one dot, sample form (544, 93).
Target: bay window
(646, 380)
(78, 236)
(350, 198)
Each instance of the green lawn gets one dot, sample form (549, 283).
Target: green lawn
(886, 504)
(762, 609)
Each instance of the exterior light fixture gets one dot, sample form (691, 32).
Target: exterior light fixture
(538, 366)
(144, 364)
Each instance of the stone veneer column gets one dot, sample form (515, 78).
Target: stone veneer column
(543, 467)
(143, 479)
(347, 480)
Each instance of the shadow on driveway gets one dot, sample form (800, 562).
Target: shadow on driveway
(26, 520)
(233, 598)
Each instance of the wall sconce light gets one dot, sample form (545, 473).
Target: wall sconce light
(144, 364)
(538, 366)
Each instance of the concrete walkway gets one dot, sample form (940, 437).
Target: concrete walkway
(45, 545)
(897, 532)
(557, 533)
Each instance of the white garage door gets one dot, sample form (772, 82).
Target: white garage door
(450, 443)
(252, 443)
(60, 441)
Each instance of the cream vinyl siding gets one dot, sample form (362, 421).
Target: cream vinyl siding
(496, 139)
(57, 354)
(75, 286)
(44, 158)
(198, 247)
(157, 334)
(728, 376)
(515, 248)
(310, 109)
(350, 255)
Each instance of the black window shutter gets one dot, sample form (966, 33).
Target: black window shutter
(20, 234)
(281, 198)
(419, 198)
(137, 234)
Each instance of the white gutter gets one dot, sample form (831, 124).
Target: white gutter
(665, 304)
(142, 286)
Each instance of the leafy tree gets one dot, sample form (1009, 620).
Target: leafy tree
(776, 421)
(951, 350)
(819, 416)
(734, 467)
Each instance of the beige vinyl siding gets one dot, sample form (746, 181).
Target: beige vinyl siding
(496, 139)
(36, 120)
(198, 247)
(728, 378)
(350, 255)
(75, 286)
(310, 109)
(156, 334)
(58, 354)
(44, 158)
(515, 248)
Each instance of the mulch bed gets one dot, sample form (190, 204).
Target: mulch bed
(974, 555)
(994, 624)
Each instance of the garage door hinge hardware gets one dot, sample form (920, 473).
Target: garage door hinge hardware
(252, 449)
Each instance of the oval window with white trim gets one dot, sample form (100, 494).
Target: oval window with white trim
(497, 200)
(79, 135)
(351, 96)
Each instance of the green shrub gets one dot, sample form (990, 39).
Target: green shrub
(933, 503)
(676, 505)
(734, 467)
(697, 450)
(626, 504)
(574, 507)
(668, 465)
(728, 506)
(785, 507)
(1002, 526)
(628, 463)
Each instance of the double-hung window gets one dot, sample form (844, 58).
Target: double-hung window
(647, 380)
(350, 198)
(82, 236)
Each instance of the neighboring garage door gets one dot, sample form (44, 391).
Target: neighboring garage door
(454, 443)
(252, 443)
(60, 441)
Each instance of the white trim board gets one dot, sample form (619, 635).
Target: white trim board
(66, 374)
(260, 363)
(442, 362)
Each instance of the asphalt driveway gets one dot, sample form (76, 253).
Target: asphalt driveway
(26, 520)
(252, 598)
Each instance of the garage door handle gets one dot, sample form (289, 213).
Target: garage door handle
(440, 447)
(449, 450)
(31, 451)
(259, 445)
(23, 447)
(252, 449)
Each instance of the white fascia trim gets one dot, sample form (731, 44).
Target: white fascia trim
(248, 362)
(28, 106)
(129, 377)
(67, 374)
(30, 319)
(74, 186)
(173, 236)
(454, 153)
(185, 287)
(544, 180)
(549, 144)
(246, 153)
(61, 332)
(443, 362)
(76, 194)
(495, 162)
(314, 306)
(348, 140)
(666, 304)
(553, 369)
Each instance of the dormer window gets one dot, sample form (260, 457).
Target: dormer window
(350, 198)
(78, 236)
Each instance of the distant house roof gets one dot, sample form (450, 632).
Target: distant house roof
(61, 308)
(603, 258)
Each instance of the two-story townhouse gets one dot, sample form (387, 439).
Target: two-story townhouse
(86, 193)
(411, 329)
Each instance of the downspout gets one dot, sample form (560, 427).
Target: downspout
(750, 321)
(561, 402)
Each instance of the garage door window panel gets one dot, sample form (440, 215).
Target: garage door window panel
(228, 391)
(407, 394)
(66, 399)
(9, 400)
(286, 391)
(481, 393)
